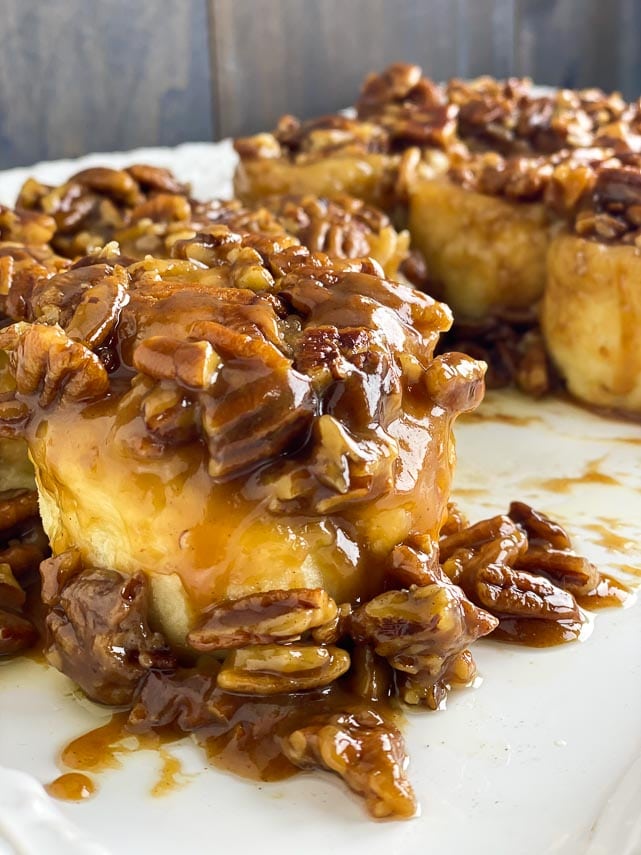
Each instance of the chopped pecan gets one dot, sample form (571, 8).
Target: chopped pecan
(169, 415)
(26, 227)
(163, 208)
(267, 617)
(270, 669)
(192, 364)
(366, 752)
(619, 185)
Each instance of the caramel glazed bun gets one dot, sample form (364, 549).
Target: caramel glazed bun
(244, 417)
(489, 176)
(147, 210)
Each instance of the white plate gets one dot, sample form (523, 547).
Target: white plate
(542, 758)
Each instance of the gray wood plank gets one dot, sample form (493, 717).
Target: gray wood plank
(579, 43)
(628, 39)
(309, 56)
(78, 76)
(486, 37)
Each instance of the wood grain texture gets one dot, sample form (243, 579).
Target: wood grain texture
(80, 75)
(579, 43)
(91, 75)
(308, 57)
(486, 37)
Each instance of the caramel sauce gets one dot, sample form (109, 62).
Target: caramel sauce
(608, 538)
(169, 778)
(248, 743)
(97, 750)
(470, 492)
(608, 593)
(104, 747)
(591, 475)
(487, 415)
(633, 571)
(537, 633)
(71, 787)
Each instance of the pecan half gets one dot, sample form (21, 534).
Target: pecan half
(538, 526)
(572, 572)
(263, 618)
(490, 580)
(271, 669)
(49, 364)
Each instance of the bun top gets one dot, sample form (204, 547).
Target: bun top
(251, 345)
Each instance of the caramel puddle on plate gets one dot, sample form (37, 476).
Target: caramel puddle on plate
(627, 440)
(633, 571)
(591, 475)
(102, 748)
(470, 492)
(483, 415)
(608, 537)
(71, 787)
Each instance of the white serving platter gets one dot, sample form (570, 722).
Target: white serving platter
(541, 759)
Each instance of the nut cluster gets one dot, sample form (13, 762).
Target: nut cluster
(23, 545)
(142, 206)
(521, 569)
(236, 303)
(499, 138)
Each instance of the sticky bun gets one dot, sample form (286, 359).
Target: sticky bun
(493, 181)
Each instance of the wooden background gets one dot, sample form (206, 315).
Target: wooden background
(91, 75)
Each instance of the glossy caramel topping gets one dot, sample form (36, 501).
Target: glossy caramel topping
(259, 380)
